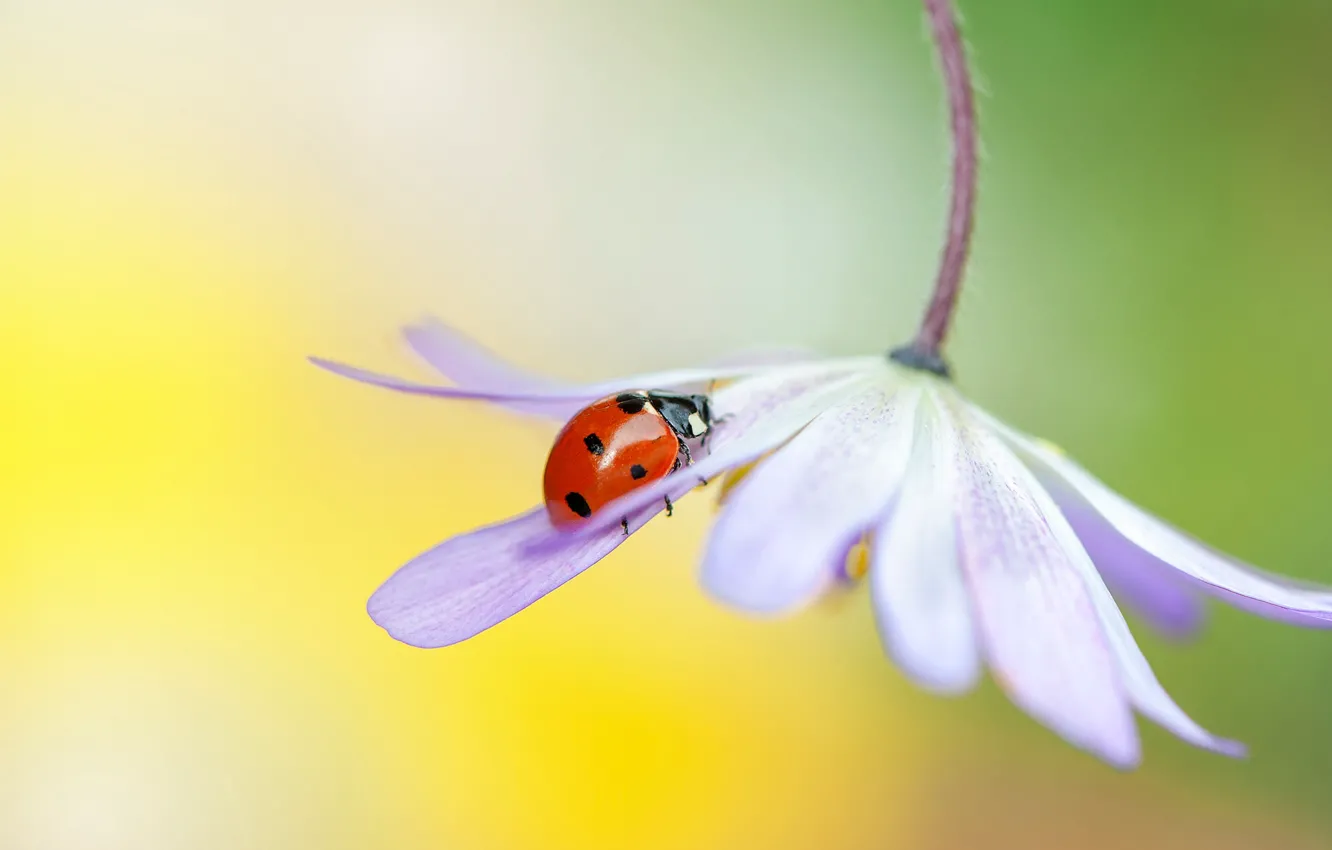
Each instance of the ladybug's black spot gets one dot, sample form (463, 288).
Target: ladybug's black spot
(594, 444)
(637, 471)
(631, 403)
(578, 504)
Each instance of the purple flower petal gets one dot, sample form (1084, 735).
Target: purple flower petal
(565, 392)
(800, 509)
(473, 581)
(469, 364)
(1229, 579)
(760, 414)
(1136, 675)
(560, 401)
(1138, 579)
(402, 385)
(472, 366)
(920, 600)
(1039, 628)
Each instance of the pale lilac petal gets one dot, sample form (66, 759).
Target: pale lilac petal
(920, 600)
(1229, 579)
(402, 385)
(467, 363)
(749, 402)
(1138, 579)
(1143, 688)
(756, 359)
(471, 366)
(799, 510)
(554, 402)
(1039, 628)
(471, 582)
(760, 413)
(562, 400)
(554, 392)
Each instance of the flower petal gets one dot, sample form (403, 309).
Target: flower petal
(1138, 579)
(920, 599)
(469, 364)
(402, 385)
(473, 581)
(761, 413)
(1229, 579)
(1140, 682)
(472, 366)
(559, 400)
(1038, 626)
(553, 392)
(800, 510)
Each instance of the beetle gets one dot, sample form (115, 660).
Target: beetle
(618, 444)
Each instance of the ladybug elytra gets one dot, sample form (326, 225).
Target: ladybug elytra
(617, 444)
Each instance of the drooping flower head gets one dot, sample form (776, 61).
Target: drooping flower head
(988, 549)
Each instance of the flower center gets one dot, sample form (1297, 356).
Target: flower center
(857, 562)
(922, 361)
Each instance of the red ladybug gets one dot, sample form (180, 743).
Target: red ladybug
(618, 444)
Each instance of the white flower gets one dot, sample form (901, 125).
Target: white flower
(988, 548)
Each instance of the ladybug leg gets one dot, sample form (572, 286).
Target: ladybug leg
(702, 444)
(707, 435)
(689, 461)
(670, 509)
(624, 523)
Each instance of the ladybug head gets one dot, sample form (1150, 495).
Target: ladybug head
(690, 416)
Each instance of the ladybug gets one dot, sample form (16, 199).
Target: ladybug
(617, 445)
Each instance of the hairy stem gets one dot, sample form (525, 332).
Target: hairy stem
(961, 214)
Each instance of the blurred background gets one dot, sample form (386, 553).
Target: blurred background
(195, 194)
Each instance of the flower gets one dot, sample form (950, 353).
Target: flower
(982, 546)
(987, 548)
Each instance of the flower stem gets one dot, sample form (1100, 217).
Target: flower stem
(926, 348)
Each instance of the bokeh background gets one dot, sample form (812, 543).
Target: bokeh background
(195, 194)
